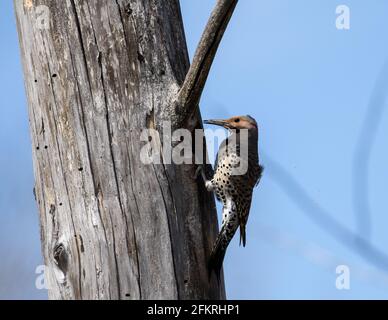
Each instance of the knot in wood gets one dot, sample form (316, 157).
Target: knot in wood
(60, 257)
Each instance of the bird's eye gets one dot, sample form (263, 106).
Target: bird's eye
(237, 120)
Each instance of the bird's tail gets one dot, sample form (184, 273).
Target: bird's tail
(243, 235)
(219, 249)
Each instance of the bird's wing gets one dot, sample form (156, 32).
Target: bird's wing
(244, 204)
(243, 207)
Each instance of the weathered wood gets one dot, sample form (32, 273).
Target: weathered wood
(96, 74)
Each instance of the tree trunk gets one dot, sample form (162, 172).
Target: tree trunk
(97, 73)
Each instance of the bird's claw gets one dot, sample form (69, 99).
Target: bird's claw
(197, 171)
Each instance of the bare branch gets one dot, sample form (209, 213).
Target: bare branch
(190, 93)
(324, 219)
(362, 155)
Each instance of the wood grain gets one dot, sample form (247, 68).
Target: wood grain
(111, 226)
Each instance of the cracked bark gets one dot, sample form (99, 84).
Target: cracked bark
(112, 227)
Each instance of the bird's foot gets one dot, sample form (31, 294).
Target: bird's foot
(209, 185)
(198, 171)
(201, 170)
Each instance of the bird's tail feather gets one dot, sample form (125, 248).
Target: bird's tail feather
(243, 235)
(218, 253)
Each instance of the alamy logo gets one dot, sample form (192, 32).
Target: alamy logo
(177, 146)
(343, 17)
(342, 281)
(41, 282)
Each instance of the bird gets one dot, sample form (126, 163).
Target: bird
(232, 188)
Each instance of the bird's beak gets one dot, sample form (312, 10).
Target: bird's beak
(221, 123)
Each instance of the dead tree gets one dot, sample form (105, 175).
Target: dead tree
(97, 72)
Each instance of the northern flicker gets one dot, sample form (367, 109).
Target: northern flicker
(231, 186)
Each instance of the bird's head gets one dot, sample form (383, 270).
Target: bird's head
(235, 123)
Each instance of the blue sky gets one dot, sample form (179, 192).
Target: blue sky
(310, 87)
